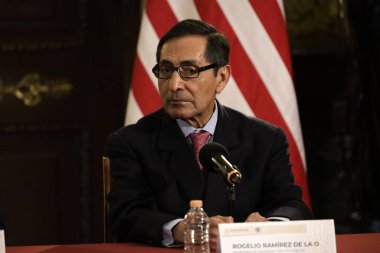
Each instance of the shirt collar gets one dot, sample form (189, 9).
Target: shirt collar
(209, 127)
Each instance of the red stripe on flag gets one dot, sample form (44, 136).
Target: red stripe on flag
(273, 21)
(144, 91)
(161, 16)
(245, 74)
(252, 86)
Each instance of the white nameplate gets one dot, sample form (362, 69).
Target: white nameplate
(2, 242)
(313, 236)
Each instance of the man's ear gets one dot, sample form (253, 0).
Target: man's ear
(223, 76)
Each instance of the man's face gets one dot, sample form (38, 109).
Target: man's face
(191, 99)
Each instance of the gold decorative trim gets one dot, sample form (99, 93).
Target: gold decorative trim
(30, 90)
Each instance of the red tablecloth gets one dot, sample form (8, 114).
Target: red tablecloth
(350, 243)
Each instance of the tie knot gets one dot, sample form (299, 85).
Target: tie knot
(199, 140)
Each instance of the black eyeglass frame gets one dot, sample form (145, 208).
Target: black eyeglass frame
(200, 69)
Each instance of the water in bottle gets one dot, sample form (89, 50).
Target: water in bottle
(196, 236)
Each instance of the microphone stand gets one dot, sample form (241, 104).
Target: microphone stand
(231, 181)
(231, 199)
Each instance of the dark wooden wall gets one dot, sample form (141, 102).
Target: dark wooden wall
(51, 145)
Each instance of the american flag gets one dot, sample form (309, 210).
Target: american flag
(261, 84)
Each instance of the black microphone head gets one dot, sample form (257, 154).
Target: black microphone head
(210, 150)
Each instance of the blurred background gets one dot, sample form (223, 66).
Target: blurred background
(65, 72)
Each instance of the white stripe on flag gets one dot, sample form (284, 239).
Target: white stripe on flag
(265, 57)
(146, 47)
(282, 8)
(184, 9)
(133, 113)
(231, 96)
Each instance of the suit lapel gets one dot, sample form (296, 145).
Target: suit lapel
(180, 158)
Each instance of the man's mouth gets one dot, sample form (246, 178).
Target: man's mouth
(178, 102)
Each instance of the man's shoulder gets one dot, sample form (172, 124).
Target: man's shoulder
(243, 120)
(147, 123)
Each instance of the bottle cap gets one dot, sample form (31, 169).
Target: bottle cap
(196, 203)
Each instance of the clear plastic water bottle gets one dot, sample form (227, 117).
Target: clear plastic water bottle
(196, 236)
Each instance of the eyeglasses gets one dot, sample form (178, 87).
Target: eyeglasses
(185, 71)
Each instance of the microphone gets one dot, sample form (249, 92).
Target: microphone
(214, 158)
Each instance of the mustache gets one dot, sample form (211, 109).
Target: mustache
(176, 97)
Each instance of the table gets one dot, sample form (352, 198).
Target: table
(93, 248)
(360, 243)
(349, 243)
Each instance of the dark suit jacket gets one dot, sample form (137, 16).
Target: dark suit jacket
(155, 174)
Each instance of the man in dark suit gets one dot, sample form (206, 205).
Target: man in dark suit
(154, 168)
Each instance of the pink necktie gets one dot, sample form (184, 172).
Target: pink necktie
(199, 140)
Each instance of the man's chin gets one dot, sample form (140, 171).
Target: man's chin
(177, 114)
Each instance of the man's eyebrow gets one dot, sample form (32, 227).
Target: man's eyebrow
(186, 62)
(165, 62)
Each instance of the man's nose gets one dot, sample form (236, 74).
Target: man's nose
(175, 82)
